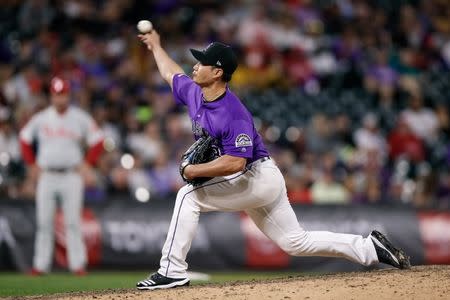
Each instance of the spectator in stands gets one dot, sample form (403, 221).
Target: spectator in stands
(410, 31)
(404, 143)
(328, 187)
(319, 138)
(9, 141)
(110, 130)
(164, 179)
(10, 158)
(137, 178)
(297, 66)
(285, 34)
(298, 189)
(177, 134)
(23, 88)
(405, 63)
(343, 130)
(368, 139)
(443, 117)
(117, 182)
(437, 154)
(374, 194)
(326, 190)
(380, 78)
(146, 144)
(425, 187)
(308, 168)
(347, 47)
(35, 15)
(255, 28)
(421, 120)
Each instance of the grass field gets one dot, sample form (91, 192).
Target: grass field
(15, 284)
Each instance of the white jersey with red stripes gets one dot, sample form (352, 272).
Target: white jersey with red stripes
(61, 136)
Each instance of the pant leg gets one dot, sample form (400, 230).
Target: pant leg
(261, 192)
(45, 212)
(279, 222)
(72, 205)
(183, 226)
(252, 188)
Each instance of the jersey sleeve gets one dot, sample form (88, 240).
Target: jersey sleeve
(29, 131)
(184, 89)
(94, 134)
(237, 139)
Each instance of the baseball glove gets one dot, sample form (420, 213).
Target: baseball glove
(202, 151)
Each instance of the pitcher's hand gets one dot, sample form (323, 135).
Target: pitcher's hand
(151, 39)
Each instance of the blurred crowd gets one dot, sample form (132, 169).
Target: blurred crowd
(351, 96)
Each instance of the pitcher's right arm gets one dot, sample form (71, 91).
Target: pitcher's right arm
(167, 66)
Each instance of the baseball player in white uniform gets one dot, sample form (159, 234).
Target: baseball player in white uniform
(245, 178)
(61, 131)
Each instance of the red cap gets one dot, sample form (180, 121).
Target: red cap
(59, 86)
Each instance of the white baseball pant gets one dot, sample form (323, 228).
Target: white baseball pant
(70, 187)
(260, 191)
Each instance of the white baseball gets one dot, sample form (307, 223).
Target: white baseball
(144, 26)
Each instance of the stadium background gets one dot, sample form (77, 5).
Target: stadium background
(350, 96)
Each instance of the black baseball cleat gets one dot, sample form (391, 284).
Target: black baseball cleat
(157, 281)
(387, 253)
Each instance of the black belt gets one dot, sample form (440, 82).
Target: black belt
(263, 159)
(259, 160)
(59, 170)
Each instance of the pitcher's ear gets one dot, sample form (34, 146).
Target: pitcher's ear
(218, 72)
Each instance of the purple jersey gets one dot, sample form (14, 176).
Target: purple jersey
(226, 119)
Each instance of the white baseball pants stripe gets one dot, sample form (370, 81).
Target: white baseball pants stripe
(260, 191)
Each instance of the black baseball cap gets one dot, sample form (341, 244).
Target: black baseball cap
(218, 55)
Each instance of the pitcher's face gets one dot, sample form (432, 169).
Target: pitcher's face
(205, 75)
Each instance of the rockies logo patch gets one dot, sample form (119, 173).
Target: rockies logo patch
(243, 140)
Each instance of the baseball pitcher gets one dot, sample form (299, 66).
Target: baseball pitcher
(239, 175)
(60, 132)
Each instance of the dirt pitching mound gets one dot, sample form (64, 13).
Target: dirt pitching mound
(421, 282)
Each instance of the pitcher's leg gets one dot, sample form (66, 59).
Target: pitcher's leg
(183, 226)
(45, 212)
(72, 205)
(279, 222)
